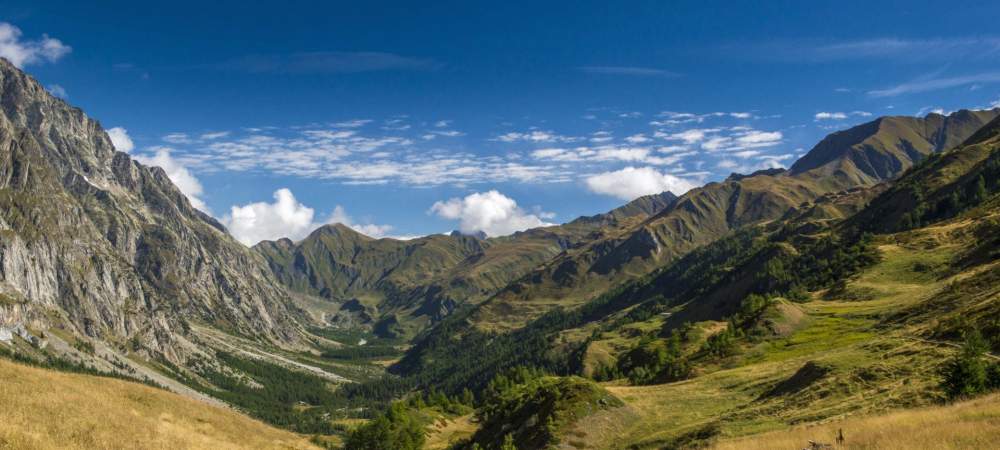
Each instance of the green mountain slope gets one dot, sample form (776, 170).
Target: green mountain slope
(804, 319)
(400, 287)
(705, 214)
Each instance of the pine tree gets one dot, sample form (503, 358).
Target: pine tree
(966, 375)
(979, 190)
(508, 443)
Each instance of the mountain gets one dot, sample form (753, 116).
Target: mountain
(98, 246)
(400, 287)
(517, 278)
(859, 157)
(884, 148)
(853, 305)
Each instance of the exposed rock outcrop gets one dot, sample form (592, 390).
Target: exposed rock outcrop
(93, 242)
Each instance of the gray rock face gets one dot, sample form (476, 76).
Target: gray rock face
(96, 243)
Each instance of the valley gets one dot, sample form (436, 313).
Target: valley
(857, 290)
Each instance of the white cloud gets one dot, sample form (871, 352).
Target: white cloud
(599, 137)
(742, 139)
(255, 222)
(840, 115)
(120, 139)
(691, 136)
(631, 182)
(369, 229)
(933, 83)
(355, 123)
(24, 52)
(286, 217)
(57, 91)
(606, 153)
(445, 133)
(830, 116)
(490, 212)
(214, 135)
(182, 178)
(637, 139)
(536, 136)
(755, 138)
(177, 138)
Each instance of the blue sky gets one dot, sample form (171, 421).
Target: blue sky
(404, 119)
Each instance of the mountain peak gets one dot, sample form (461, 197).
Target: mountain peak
(883, 148)
(340, 230)
(476, 234)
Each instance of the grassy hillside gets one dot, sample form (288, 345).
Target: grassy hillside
(44, 409)
(802, 320)
(856, 158)
(969, 424)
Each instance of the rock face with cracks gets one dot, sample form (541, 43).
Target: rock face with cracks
(94, 243)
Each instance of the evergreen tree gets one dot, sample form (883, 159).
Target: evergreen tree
(966, 375)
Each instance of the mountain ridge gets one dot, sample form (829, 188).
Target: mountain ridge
(104, 247)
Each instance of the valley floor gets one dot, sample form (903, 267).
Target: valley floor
(45, 409)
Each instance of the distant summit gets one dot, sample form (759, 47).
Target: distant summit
(477, 234)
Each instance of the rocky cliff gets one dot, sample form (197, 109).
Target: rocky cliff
(98, 245)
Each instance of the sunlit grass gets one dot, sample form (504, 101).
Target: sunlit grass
(44, 409)
(969, 425)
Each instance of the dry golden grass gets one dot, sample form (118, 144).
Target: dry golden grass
(973, 424)
(44, 409)
(443, 432)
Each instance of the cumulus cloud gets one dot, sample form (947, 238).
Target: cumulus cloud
(490, 212)
(120, 139)
(178, 174)
(255, 222)
(631, 182)
(22, 52)
(286, 217)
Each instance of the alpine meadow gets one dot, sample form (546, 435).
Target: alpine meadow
(482, 226)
